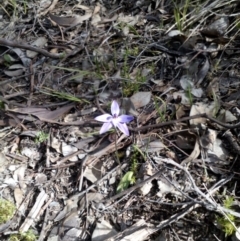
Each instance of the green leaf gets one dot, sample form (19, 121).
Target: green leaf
(7, 210)
(228, 202)
(41, 137)
(7, 58)
(127, 179)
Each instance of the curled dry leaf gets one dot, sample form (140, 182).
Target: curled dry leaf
(153, 146)
(16, 66)
(195, 153)
(13, 73)
(71, 21)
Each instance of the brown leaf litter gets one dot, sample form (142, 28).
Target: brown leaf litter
(174, 67)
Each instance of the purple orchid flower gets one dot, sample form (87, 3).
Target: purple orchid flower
(115, 120)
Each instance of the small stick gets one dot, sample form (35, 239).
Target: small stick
(14, 44)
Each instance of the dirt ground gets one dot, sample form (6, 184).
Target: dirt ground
(119, 120)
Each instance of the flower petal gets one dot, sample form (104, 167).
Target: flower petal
(125, 118)
(105, 127)
(115, 121)
(123, 128)
(104, 118)
(115, 108)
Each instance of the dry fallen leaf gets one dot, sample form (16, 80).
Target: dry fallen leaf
(3, 162)
(40, 42)
(13, 73)
(103, 231)
(67, 150)
(200, 108)
(145, 189)
(217, 28)
(18, 195)
(141, 99)
(42, 113)
(188, 85)
(70, 21)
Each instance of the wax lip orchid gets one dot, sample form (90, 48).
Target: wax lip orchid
(115, 120)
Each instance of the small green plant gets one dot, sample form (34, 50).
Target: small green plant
(237, 24)
(127, 53)
(25, 6)
(41, 136)
(7, 59)
(180, 15)
(125, 68)
(216, 103)
(9, 6)
(126, 180)
(177, 16)
(130, 28)
(162, 111)
(2, 107)
(76, 73)
(228, 202)
(61, 95)
(227, 222)
(7, 210)
(132, 86)
(130, 177)
(27, 236)
(189, 95)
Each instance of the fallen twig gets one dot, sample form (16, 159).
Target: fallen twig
(15, 44)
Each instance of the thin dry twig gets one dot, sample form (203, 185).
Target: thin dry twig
(15, 44)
